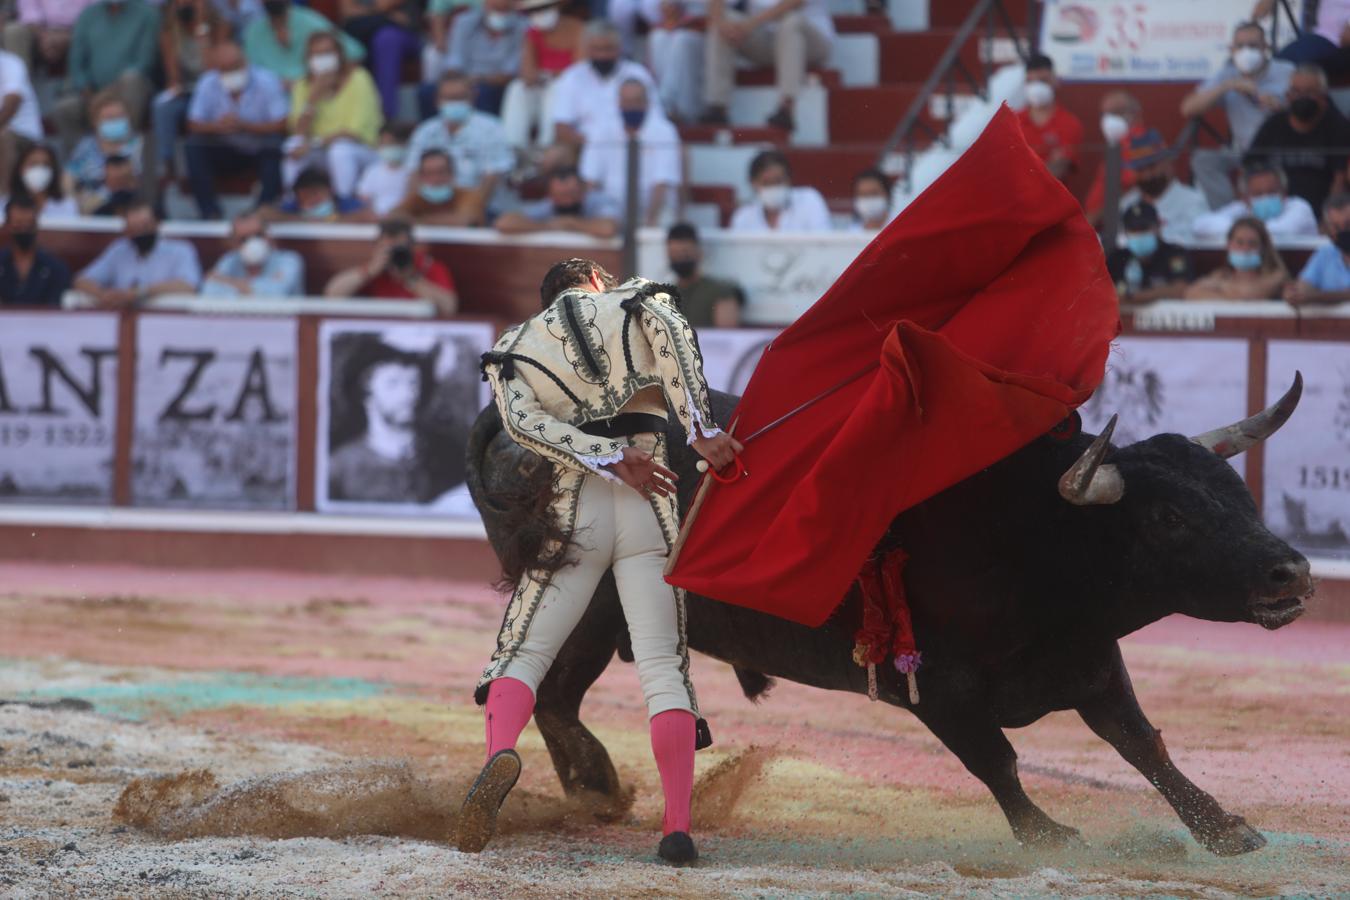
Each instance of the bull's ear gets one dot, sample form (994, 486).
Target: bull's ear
(1088, 482)
(1231, 440)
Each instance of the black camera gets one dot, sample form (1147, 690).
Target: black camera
(401, 256)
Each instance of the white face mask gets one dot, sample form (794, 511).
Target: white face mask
(1039, 93)
(38, 178)
(255, 250)
(497, 21)
(545, 19)
(1114, 127)
(1248, 59)
(869, 209)
(324, 63)
(234, 80)
(774, 196)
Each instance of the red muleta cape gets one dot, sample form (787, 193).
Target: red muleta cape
(988, 305)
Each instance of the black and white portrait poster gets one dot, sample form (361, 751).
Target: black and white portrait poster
(1307, 470)
(215, 412)
(1170, 385)
(58, 407)
(731, 354)
(396, 402)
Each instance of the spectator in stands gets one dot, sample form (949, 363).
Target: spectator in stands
(1326, 276)
(398, 270)
(790, 36)
(112, 49)
(20, 118)
(778, 206)
(705, 301)
(586, 94)
(1310, 140)
(1250, 85)
(568, 207)
(254, 267)
(1254, 270)
(389, 31)
(474, 139)
(1054, 133)
(1265, 196)
(486, 45)
(121, 190)
(238, 14)
(1323, 44)
(871, 201)
(551, 45)
(604, 159)
(1178, 205)
(41, 34)
(279, 40)
(335, 117)
(38, 179)
(189, 33)
(434, 199)
(313, 200)
(236, 123)
(29, 275)
(384, 183)
(1147, 267)
(140, 265)
(113, 136)
(1121, 122)
(677, 52)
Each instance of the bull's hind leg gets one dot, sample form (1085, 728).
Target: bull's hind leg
(582, 763)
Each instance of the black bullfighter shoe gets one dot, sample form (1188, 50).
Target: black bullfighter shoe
(478, 815)
(677, 848)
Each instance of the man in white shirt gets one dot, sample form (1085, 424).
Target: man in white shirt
(20, 121)
(790, 34)
(586, 94)
(1265, 195)
(778, 206)
(474, 140)
(1178, 205)
(604, 160)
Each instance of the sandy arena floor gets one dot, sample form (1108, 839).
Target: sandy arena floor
(266, 735)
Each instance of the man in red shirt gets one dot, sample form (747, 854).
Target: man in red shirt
(398, 270)
(1053, 132)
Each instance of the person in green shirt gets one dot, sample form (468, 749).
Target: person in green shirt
(113, 47)
(706, 302)
(276, 41)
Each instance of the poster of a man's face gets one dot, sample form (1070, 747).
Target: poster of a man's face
(396, 404)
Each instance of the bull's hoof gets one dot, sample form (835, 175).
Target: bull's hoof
(1050, 835)
(677, 848)
(1233, 839)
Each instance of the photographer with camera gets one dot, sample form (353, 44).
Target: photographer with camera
(398, 270)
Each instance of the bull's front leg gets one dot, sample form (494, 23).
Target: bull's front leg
(1115, 716)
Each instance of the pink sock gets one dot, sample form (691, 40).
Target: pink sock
(510, 703)
(673, 747)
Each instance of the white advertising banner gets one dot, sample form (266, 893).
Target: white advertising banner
(1307, 464)
(781, 274)
(1170, 385)
(396, 402)
(731, 354)
(215, 412)
(58, 407)
(1141, 40)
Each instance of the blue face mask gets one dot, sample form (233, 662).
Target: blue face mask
(435, 193)
(1244, 261)
(324, 210)
(1267, 206)
(633, 118)
(456, 111)
(1142, 245)
(115, 129)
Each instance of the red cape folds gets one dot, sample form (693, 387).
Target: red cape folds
(989, 307)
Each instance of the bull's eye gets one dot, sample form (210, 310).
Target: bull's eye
(1169, 517)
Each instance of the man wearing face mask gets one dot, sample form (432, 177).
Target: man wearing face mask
(254, 267)
(474, 139)
(1310, 140)
(1178, 205)
(704, 300)
(1054, 133)
(434, 199)
(29, 275)
(1121, 122)
(140, 265)
(1265, 195)
(1147, 267)
(276, 41)
(568, 207)
(114, 48)
(1326, 276)
(586, 94)
(778, 206)
(1250, 85)
(398, 270)
(604, 159)
(312, 200)
(485, 44)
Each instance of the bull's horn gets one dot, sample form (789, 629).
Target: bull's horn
(1242, 436)
(1088, 482)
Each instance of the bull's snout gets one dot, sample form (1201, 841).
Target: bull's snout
(1281, 602)
(1291, 576)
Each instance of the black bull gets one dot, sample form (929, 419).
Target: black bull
(1019, 593)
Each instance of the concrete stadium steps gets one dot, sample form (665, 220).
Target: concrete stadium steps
(867, 115)
(735, 134)
(951, 13)
(752, 106)
(831, 170)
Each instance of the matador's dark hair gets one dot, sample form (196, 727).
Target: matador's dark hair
(572, 273)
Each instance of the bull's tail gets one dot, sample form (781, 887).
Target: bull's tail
(755, 685)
